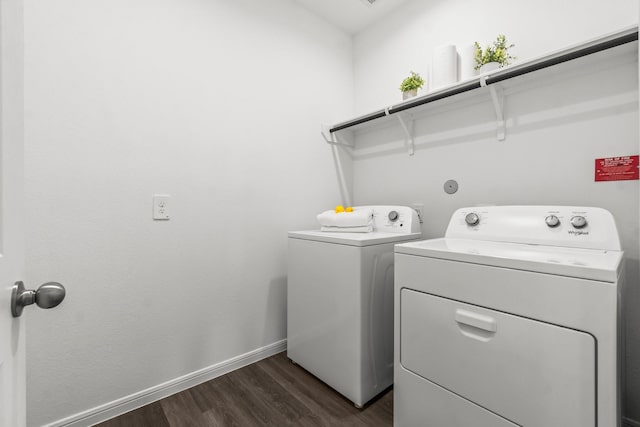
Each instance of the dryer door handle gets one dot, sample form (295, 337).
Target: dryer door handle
(476, 320)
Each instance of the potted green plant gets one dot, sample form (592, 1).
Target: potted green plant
(409, 86)
(493, 57)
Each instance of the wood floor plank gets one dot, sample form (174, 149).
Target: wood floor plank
(250, 395)
(149, 415)
(182, 411)
(224, 404)
(272, 392)
(379, 413)
(283, 409)
(335, 409)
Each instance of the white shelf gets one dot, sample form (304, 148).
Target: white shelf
(344, 134)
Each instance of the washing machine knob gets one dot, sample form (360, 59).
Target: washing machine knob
(472, 219)
(578, 221)
(393, 216)
(552, 221)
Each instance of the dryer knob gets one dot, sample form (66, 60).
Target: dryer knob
(578, 221)
(472, 219)
(393, 216)
(552, 221)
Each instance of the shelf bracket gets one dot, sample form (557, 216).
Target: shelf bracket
(332, 138)
(407, 126)
(497, 99)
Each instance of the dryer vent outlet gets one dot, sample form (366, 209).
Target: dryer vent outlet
(451, 186)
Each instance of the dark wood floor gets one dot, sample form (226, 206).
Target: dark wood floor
(272, 392)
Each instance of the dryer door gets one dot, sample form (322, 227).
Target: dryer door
(529, 372)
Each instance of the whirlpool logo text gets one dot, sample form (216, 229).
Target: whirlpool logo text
(578, 233)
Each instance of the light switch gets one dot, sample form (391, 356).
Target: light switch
(161, 206)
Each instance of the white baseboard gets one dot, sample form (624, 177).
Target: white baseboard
(628, 422)
(134, 401)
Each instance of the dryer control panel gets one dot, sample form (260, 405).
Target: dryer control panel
(568, 226)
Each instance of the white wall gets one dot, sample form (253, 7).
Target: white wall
(386, 52)
(218, 104)
(558, 123)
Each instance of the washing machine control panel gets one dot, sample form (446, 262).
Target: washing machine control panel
(395, 219)
(570, 226)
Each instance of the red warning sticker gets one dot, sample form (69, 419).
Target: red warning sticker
(617, 168)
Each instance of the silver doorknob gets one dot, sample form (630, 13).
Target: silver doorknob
(48, 295)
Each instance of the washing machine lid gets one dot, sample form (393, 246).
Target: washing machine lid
(354, 239)
(591, 264)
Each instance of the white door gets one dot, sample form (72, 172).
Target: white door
(12, 336)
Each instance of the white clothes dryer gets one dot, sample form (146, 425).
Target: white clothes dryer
(340, 302)
(512, 319)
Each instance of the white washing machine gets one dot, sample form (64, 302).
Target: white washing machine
(340, 302)
(512, 319)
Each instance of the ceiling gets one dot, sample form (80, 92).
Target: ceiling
(351, 15)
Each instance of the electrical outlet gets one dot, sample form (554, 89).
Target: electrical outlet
(161, 206)
(419, 208)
